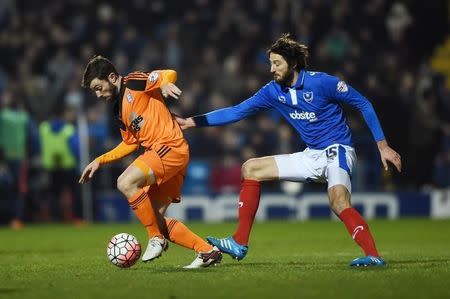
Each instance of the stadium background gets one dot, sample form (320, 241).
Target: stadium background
(397, 53)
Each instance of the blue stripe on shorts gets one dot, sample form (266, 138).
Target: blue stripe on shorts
(342, 160)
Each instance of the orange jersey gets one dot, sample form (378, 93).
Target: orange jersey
(143, 115)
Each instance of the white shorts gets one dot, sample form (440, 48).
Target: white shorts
(332, 164)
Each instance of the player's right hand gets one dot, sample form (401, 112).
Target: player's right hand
(89, 171)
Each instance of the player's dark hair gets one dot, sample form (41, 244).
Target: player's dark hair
(98, 67)
(295, 54)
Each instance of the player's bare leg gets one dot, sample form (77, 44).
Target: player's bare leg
(253, 172)
(131, 183)
(339, 198)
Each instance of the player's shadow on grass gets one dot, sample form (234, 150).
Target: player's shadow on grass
(10, 290)
(425, 262)
(277, 264)
(302, 265)
(233, 264)
(174, 269)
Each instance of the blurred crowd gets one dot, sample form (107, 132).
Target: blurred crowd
(382, 48)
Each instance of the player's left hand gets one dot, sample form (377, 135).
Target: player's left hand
(389, 155)
(170, 90)
(185, 123)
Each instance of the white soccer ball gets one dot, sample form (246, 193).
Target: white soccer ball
(123, 250)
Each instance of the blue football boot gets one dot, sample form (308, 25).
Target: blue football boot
(229, 246)
(368, 261)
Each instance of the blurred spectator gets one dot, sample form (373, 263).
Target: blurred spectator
(398, 21)
(59, 155)
(15, 129)
(424, 134)
(7, 186)
(441, 175)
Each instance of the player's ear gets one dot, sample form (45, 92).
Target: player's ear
(112, 77)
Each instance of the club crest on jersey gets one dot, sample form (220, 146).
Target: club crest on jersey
(153, 77)
(342, 86)
(282, 99)
(308, 96)
(129, 98)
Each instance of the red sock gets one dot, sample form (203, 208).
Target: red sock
(248, 205)
(359, 230)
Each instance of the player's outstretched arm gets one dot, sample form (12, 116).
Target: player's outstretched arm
(89, 171)
(228, 115)
(389, 155)
(116, 153)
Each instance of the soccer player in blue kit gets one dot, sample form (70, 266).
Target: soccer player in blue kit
(310, 102)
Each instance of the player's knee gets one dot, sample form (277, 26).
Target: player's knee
(249, 169)
(125, 185)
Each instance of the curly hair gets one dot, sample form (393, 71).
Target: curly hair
(293, 52)
(98, 67)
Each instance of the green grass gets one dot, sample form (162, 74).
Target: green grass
(286, 260)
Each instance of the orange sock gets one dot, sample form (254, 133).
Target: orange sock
(142, 208)
(180, 234)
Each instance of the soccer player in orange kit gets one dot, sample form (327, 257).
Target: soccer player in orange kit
(154, 180)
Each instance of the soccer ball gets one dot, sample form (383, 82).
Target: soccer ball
(123, 250)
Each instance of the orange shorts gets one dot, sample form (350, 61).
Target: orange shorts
(168, 164)
(168, 192)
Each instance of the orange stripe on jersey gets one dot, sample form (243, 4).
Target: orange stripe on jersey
(137, 76)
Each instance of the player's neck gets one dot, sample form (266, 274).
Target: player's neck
(294, 79)
(119, 84)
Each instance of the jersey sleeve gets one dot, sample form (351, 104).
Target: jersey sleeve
(117, 153)
(341, 91)
(160, 77)
(258, 102)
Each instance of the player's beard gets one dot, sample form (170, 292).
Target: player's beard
(114, 92)
(286, 79)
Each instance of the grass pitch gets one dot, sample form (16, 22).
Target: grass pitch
(286, 260)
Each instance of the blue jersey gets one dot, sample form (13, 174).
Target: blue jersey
(312, 106)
